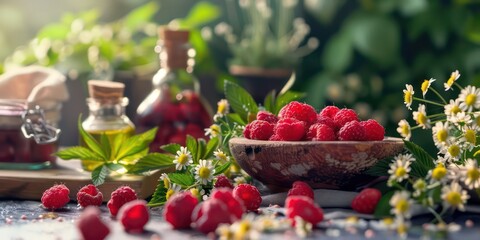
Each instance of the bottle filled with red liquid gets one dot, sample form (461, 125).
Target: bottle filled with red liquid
(175, 105)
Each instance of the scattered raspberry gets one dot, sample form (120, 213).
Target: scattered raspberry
(209, 214)
(344, 116)
(89, 195)
(179, 208)
(299, 111)
(234, 204)
(223, 181)
(260, 130)
(303, 207)
(91, 225)
(326, 120)
(249, 194)
(267, 116)
(134, 215)
(119, 197)
(373, 130)
(352, 131)
(321, 132)
(366, 200)
(56, 197)
(290, 129)
(300, 188)
(329, 111)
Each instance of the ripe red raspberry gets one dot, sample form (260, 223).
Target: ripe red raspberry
(321, 132)
(89, 195)
(366, 201)
(344, 116)
(247, 131)
(329, 111)
(300, 188)
(259, 130)
(119, 197)
(326, 120)
(179, 208)
(352, 131)
(249, 194)
(275, 137)
(56, 197)
(290, 129)
(234, 205)
(303, 207)
(373, 130)
(299, 111)
(91, 225)
(223, 181)
(209, 214)
(267, 116)
(134, 215)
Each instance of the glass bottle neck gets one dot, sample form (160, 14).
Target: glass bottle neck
(107, 109)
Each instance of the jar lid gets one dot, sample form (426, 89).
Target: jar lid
(103, 90)
(12, 107)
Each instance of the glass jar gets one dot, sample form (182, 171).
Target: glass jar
(175, 105)
(27, 139)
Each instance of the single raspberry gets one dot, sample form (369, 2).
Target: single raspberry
(329, 111)
(56, 197)
(366, 201)
(235, 205)
(300, 188)
(89, 195)
(249, 194)
(373, 130)
(303, 207)
(247, 131)
(275, 137)
(134, 215)
(352, 131)
(91, 225)
(119, 197)
(179, 208)
(321, 132)
(299, 111)
(208, 215)
(223, 181)
(260, 130)
(326, 120)
(267, 116)
(344, 116)
(290, 129)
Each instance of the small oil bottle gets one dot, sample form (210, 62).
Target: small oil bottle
(107, 115)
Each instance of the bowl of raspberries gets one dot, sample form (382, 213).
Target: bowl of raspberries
(327, 149)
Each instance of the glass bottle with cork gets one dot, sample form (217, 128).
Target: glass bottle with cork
(106, 114)
(175, 105)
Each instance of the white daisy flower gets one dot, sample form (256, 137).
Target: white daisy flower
(401, 204)
(400, 168)
(220, 155)
(420, 186)
(441, 133)
(212, 131)
(183, 158)
(468, 138)
(453, 77)
(454, 196)
(426, 85)
(475, 123)
(165, 179)
(438, 174)
(223, 107)
(469, 98)
(452, 151)
(408, 96)
(460, 118)
(204, 171)
(420, 116)
(404, 129)
(172, 190)
(452, 108)
(470, 174)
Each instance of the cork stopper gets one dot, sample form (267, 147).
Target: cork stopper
(102, 90)
(173, 35)
(175, 47)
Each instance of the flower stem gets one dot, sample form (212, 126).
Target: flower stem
(427, 101)
(458, 85)
(439, 95)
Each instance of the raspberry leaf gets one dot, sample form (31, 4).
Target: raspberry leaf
(182, 179)
(222, 168)
(105, 145)
(91, 143)
(240, 100)
(210, 148)
(136, 144)
(423, 161)
(192, 146)
(99, 174)
(285, 98)
(78, 152)
(383, 207)
(159, 197)
(152, 161)
(171, 148)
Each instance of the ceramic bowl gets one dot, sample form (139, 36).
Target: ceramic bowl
(331, 164)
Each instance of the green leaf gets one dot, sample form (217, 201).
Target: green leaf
(78, 152)
(141, 15)
(338, 53)
(234, 117)
(379, 169)
(201, 148)
(182, 179)
(423, 163)
(91, 143)
(152, 161)
(56, 31)
(285, 98)
(269, 101)
(99, 174)
(200, 14)
(159, 197)
(240, 100)
(136, 144)
(383, 207)
(210, 148)
(171, 148)
(192, 147)
(114, 166)
(105, 145)
(222, 168)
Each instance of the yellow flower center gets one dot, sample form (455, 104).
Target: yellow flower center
(439, 172)
(454, 150)
(451, 80)
(182, 159)
(166, 182)
(420, 184)
(422, 119)
(400, 172)
(402, 206)
(470, 99)
(222, 108)
(222, 156)
(242, 230)
(425, 86)
(456, 109)
(170, 193)
(402, 229)
(442, 135)
(204, 172)
(405, 130)
(388, 221)
(408, 97)
(215, 130)
(473, 174)
(194, 192)
(470, 136)
(454, 198)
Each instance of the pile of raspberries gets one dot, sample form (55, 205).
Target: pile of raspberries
(300, 122)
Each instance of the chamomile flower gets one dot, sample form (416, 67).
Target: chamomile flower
(408, 96)
(420, 116)
(198, 193)
(401, 204)
(441, 133)
(454, 196)
(223, 107)
(426, 85)
(470, 174)
(165, 179)
(460, 118)
(420, 186)
(452, 108)
(452, 151)
(468, 138)
(453, 77)
(204, 171)
(212, 131)
(438, 174)
(469, 99)
(400, 168)
(302, 228)
(404, 129)
(182, 159)
(172, 190)
(220, 155)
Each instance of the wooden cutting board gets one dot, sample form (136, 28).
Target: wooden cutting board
(30, 184)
